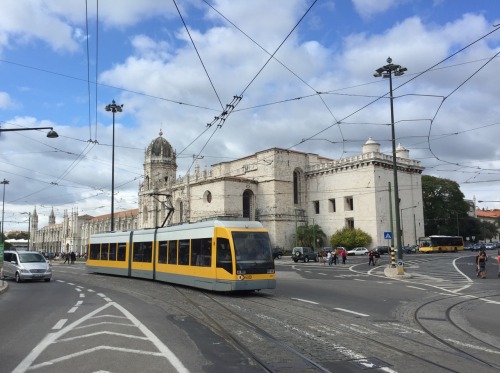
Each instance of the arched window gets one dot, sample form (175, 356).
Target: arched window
(207, 196)
(297, 186)
(248, 205)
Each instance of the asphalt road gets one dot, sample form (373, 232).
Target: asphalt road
(342, 318)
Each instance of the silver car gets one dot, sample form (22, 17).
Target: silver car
(26, 265)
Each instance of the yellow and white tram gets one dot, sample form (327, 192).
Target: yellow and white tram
(217, 255)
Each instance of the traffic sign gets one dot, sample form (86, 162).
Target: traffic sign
(387, 235)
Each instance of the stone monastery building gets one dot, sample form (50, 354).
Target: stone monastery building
(280, 188)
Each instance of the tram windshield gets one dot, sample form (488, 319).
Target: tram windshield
(253, 251)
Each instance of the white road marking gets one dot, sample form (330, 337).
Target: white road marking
(480, 348)
(53, 337)
(73, 310)
(415, 287)
(303, 300)
(82, 295)
(60, 324)
(353, 312)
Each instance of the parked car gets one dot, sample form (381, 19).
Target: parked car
(383, 249)
(26, 265)
(277, 253)
(304, 253)
(358, 251)
(410, 249)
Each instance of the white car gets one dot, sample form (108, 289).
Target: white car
(358, 251)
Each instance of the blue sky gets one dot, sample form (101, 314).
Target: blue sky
(318, 94)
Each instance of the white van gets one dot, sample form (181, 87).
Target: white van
(26, 265)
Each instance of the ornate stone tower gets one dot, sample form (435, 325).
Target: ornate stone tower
(160, 168)
(52, 217)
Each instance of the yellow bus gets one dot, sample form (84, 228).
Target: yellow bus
(215, 255)
(440, 244)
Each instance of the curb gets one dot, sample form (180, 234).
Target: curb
(393, 273)
(4, 285)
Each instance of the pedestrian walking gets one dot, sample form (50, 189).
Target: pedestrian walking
(73, 257)
(376, 254)
(344, 256)
(335, 256)
(329, 257)
(66, 258)
(481, 263)
(371, 258)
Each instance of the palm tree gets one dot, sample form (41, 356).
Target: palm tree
(309, 235)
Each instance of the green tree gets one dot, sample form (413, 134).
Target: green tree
(445, 209)
(19, 236)
(350, 238)
(308, 235)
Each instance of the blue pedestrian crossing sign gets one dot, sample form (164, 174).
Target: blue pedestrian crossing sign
(387, 235)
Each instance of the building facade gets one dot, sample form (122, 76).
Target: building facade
(280, 188)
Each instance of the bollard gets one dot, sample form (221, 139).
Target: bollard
(393, 258)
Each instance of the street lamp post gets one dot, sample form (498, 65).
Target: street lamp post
(4, 182)
(51, 134)
(114, 108)
(29, 227)
(402, 228)
(386, 72)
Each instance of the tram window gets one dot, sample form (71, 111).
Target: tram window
(112, 251)
(224, 258)
(183, 252)
(162, 252)
(201, 252)
(95, 251)
(143, 252)
(104, 251)
(122, 251)
(172, 252)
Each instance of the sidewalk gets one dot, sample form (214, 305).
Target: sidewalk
(3, 285)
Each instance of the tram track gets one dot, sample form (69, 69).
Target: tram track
(269, 331)
(417, 344)
(428, 323)
(294, 358)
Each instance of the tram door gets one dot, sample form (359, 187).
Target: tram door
(224, 262)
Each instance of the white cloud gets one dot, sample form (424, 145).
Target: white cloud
(5, 100)
(370, 8)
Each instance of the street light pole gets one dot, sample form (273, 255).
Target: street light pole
(114, 108)
(4, 182)
(51, 134)
(402, 220)
(386, 72)
(29, 227)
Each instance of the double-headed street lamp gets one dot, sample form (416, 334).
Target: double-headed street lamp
(386, 72)
(114, 108)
